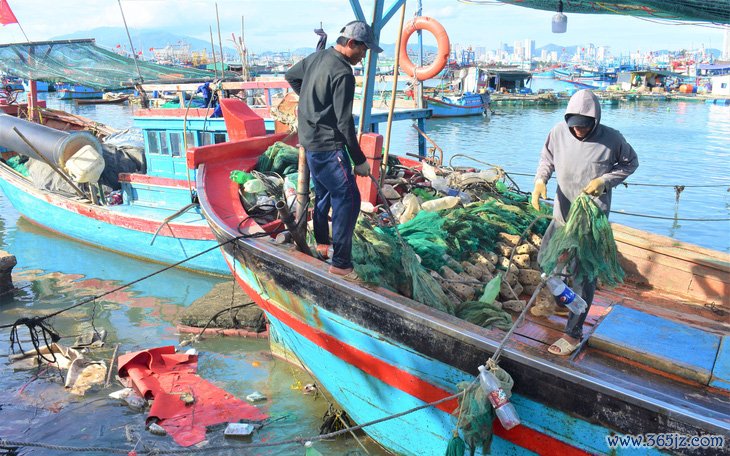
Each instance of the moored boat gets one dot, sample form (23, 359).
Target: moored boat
(467, 104)
(380, 353)
(108, 100)
(157, 219)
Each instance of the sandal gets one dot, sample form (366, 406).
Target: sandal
(350, 276)
(562, 347)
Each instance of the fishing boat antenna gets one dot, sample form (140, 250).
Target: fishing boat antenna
(131, 45)
(220, 41)
(212, 48)
(244, 52)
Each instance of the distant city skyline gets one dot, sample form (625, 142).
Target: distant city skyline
(288, 24)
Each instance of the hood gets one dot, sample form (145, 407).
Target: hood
(586, 103)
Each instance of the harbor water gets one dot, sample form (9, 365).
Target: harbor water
(682, 144)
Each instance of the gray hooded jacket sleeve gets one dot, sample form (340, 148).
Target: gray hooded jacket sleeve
(602, 153)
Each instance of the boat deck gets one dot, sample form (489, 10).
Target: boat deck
(651, 369)
(541, 332)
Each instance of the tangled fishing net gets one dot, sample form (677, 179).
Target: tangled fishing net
(588, 239)
(279, 158)
(475, 412)
(380, 258)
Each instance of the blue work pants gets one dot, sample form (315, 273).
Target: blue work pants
(334, 186)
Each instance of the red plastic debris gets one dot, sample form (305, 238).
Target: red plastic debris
(170, 379)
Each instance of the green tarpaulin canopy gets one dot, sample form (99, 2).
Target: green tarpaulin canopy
(83, 62)
(717, 12)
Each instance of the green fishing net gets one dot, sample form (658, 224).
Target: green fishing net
(468, 232)
(486, 315)
(380, 258)
(475, 413)
(18, 165)
(425, 235)
(279, 158)
(588, 239)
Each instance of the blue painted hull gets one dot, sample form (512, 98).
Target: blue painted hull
(41, 86)
(467, 105)
(58, 214)
(72, 92)
(380, 354)
(368, 397)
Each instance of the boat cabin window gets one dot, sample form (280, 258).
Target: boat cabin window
(176, 143)
(153, 142)
(164, 144)
(157, 142)
(168, 142)
(209, 137)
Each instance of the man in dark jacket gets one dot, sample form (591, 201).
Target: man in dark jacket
(325, 84)
(588, 157)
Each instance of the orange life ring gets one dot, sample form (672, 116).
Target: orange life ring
(442, 40)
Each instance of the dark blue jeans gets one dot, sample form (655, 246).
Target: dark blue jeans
(334, 186)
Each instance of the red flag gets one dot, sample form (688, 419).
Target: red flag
(6, 14)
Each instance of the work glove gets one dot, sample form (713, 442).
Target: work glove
(540, 191)
(596, 187)
(363, 169)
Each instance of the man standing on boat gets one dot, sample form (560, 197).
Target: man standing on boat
(587, 157)
(325, 84)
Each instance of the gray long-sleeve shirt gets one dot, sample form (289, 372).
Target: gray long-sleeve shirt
(326, 87)
(602, 153)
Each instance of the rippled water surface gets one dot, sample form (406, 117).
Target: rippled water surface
(679, 143)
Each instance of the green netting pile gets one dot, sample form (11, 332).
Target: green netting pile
(475, 413)
(83, 62)
(380, 258)
(484, 314)
(460, 232)
(279, 158)
(588, 239)
(510, 215)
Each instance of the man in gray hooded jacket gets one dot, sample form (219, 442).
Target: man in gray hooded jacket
(587, 157)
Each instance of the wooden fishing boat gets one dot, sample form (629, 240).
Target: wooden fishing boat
(109, 100)
(656, 361)
(467, 104)
(157, 220)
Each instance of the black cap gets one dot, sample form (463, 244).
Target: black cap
(579, 120)
(360, 31)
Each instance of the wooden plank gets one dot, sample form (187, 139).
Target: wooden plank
(668, 274)
(688, 265)
(669, 246)
(721, 371)
(658, 342)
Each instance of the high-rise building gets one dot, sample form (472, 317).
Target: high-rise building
(519, 51)
(528, 47)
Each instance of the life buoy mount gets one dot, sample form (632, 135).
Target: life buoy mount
(442, 55)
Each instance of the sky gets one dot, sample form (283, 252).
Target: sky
(280, 25)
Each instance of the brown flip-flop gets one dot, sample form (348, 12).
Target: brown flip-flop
(350, 276)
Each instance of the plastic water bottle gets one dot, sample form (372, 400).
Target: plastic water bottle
(503, 408)
(564, 295)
